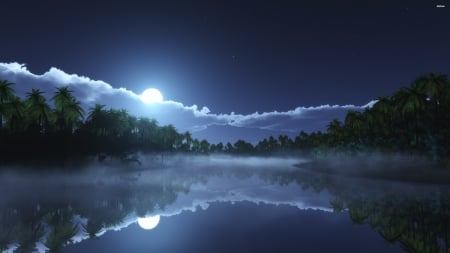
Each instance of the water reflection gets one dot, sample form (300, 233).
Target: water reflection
(48, 212)
(415, 216)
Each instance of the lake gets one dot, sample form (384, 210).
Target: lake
(218, 204)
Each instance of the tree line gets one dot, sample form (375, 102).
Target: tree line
(414, 119)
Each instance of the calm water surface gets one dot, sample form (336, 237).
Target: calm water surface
(218, 204)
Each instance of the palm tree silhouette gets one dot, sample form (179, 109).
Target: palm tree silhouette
(15, 116)
(74, 114)
(384, 111)
(62, 229)
(97, 120)
(186, 142)
(93, 227)
(67, 109)
(334, 130)
(407, 103)
(6, 94)
(436, 86)
(29, 235)
(168, 136)
(9, 226)
(38, 110)
(147, 129)
(354, 123)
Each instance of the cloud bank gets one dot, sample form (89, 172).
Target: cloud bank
(200, 121)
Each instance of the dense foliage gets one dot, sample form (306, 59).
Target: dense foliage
(31, 128)
(415, 119)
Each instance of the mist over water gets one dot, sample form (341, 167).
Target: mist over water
(112, 194)
(157, 165)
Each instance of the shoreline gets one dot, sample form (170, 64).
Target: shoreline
(411, 171)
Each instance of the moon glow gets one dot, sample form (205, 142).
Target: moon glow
(148, 223)
(151, 95)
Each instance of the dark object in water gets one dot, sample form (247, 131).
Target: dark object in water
(101, 157)
(130, 158)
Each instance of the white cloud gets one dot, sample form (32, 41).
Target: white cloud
(184, 118)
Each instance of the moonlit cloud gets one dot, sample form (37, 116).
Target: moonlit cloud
(199, 120)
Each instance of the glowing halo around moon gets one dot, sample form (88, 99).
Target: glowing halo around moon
(151, 95)
(148, 223)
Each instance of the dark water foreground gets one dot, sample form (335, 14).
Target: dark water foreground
(219, 204)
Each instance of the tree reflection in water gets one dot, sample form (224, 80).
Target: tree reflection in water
(49, 216)
(415, 216)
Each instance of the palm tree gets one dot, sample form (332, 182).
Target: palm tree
(301, 141)
(132, 124)
(29, 235)
(204, 146)
(337, 204)
(219, 147)
(6, 93)
(195, 147)
(38, 110)
(186, 142)
(391, 232)
(74, 114)
(358, 211)
(243, 147)
(410, 99)
(62, 97)
(118, 122)
(370, 125)
(262, 146)
(97, 119)
(409, 102)
(62, 229)
(354, 123)
(335, 132)
(433, 85)
(285, 142)
(436, 86)
(68, 110)
(147, 132)
(9, 226)
(16, 115)
(168, 136)
(273, 144)
(93, 227)
(384, 111)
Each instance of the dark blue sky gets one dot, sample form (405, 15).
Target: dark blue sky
(234, 56)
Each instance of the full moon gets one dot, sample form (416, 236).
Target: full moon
(151, 95)
(148, 223)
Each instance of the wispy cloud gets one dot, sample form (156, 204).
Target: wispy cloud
(186, 118)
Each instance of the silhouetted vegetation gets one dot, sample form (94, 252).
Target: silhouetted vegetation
(414, 120)
(33, 130)
(417, 218)
(55, 217)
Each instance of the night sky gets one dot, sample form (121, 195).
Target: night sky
(234, 56)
